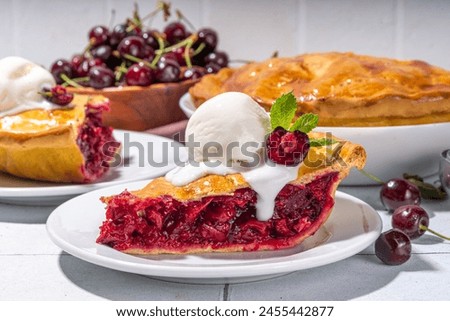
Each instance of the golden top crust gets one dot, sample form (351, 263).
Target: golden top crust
(42, 145)
(340, 157)
(40, 122)
(344, 89)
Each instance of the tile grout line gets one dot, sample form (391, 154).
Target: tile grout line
(225, 296)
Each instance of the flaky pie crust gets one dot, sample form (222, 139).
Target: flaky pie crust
(344, 89)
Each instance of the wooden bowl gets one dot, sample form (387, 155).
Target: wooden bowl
(141, 108)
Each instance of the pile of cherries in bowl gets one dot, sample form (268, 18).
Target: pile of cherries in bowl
(409, 221)
(130, 54)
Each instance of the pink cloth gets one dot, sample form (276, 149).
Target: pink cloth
(173, 131)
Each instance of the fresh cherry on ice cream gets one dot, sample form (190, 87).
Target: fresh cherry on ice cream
(287, 148)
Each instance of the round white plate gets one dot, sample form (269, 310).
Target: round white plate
(74, 227)
(391, 150)
(142, 156)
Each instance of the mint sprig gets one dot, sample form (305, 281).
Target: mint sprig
(305, 123)
(283, 112)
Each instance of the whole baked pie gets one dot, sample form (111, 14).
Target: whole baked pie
(69, 144)
(344, 89)
(195, 208)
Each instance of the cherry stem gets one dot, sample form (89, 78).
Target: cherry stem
(199, 49)
(185, 42)
(426, 228)
(136, 59)
(159, 52)
(72, 82)
(160, 6)
(187, 57)
(112, 19)
(120, 71)
(371, 176)
(87, 51)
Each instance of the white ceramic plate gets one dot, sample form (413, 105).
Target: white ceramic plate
(74, 227)
(142, 156)
(391, 150)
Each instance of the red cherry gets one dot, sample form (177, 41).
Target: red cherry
(195, 72)
(397, 192)
(61, 67)
(134, 46)
(409, 219)
(98, 35)
(139, 75)
(175, 32)
(287, 148)
(393, 247)
(57, 95)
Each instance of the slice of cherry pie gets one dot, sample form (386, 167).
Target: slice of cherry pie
(69, 144)
(217, 213)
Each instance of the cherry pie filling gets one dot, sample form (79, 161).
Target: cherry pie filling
(92, 140)
(218, 222)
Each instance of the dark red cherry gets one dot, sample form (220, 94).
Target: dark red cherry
(77, 60)
(409, 219)
(287, 148)
(151, 38)
(212, 68)
(397, 192)
(117, 34)
(98, 35)
(208, 38)
(175, 32)
(195, 72)
(167, 70)
(139, 75)
(218, 57)
(134, 46)
(57, 95)
(101, 77)
(102, 52)
(83, 68)
(178, 55)
(60, 67)
(393, 247)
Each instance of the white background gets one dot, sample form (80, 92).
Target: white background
(44, 30)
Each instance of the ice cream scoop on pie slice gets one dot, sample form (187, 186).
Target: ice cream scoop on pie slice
(230, 208)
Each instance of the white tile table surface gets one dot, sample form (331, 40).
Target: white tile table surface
(33, 268)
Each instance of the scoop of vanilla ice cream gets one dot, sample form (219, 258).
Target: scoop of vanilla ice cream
(230, 128)
(20, 82)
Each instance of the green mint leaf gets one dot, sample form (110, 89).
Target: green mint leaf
(305, 123)
(321, 142)
(283, 111)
